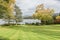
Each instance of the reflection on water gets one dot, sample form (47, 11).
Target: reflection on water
(23, 22)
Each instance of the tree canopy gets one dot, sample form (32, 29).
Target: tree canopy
(18, 16)
(7, 8)
(43, 14)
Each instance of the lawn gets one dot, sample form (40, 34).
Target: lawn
(30, 32)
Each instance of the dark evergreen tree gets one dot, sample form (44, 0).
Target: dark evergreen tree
(18, 16)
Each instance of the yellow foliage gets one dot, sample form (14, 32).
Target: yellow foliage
(10, 8)
(58, 17)
(42, 13)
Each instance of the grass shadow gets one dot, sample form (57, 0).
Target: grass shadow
(2, 38)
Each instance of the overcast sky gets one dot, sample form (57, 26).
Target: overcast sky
(28, 6)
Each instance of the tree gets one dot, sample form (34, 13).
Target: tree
(18, 16)
(43, 14)
(57, 20)
(58, 17)
(7, 9)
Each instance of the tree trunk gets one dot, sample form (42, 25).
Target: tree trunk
(16, 22)
(8, 21)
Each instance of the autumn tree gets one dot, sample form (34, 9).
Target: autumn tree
(43, 14)
(57, 20)
(7, 9)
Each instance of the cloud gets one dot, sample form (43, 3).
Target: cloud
(28, 6)
(57, 0)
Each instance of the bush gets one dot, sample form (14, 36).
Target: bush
(8, 24)
(33, 23)
(57, 21)
(50, 22)
(37, 23)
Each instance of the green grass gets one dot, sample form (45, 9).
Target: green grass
(30, 32)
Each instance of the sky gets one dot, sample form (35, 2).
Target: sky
(28, 6)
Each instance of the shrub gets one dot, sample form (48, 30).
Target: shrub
(57, 20)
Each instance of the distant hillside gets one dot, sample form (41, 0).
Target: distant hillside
(27, 17)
